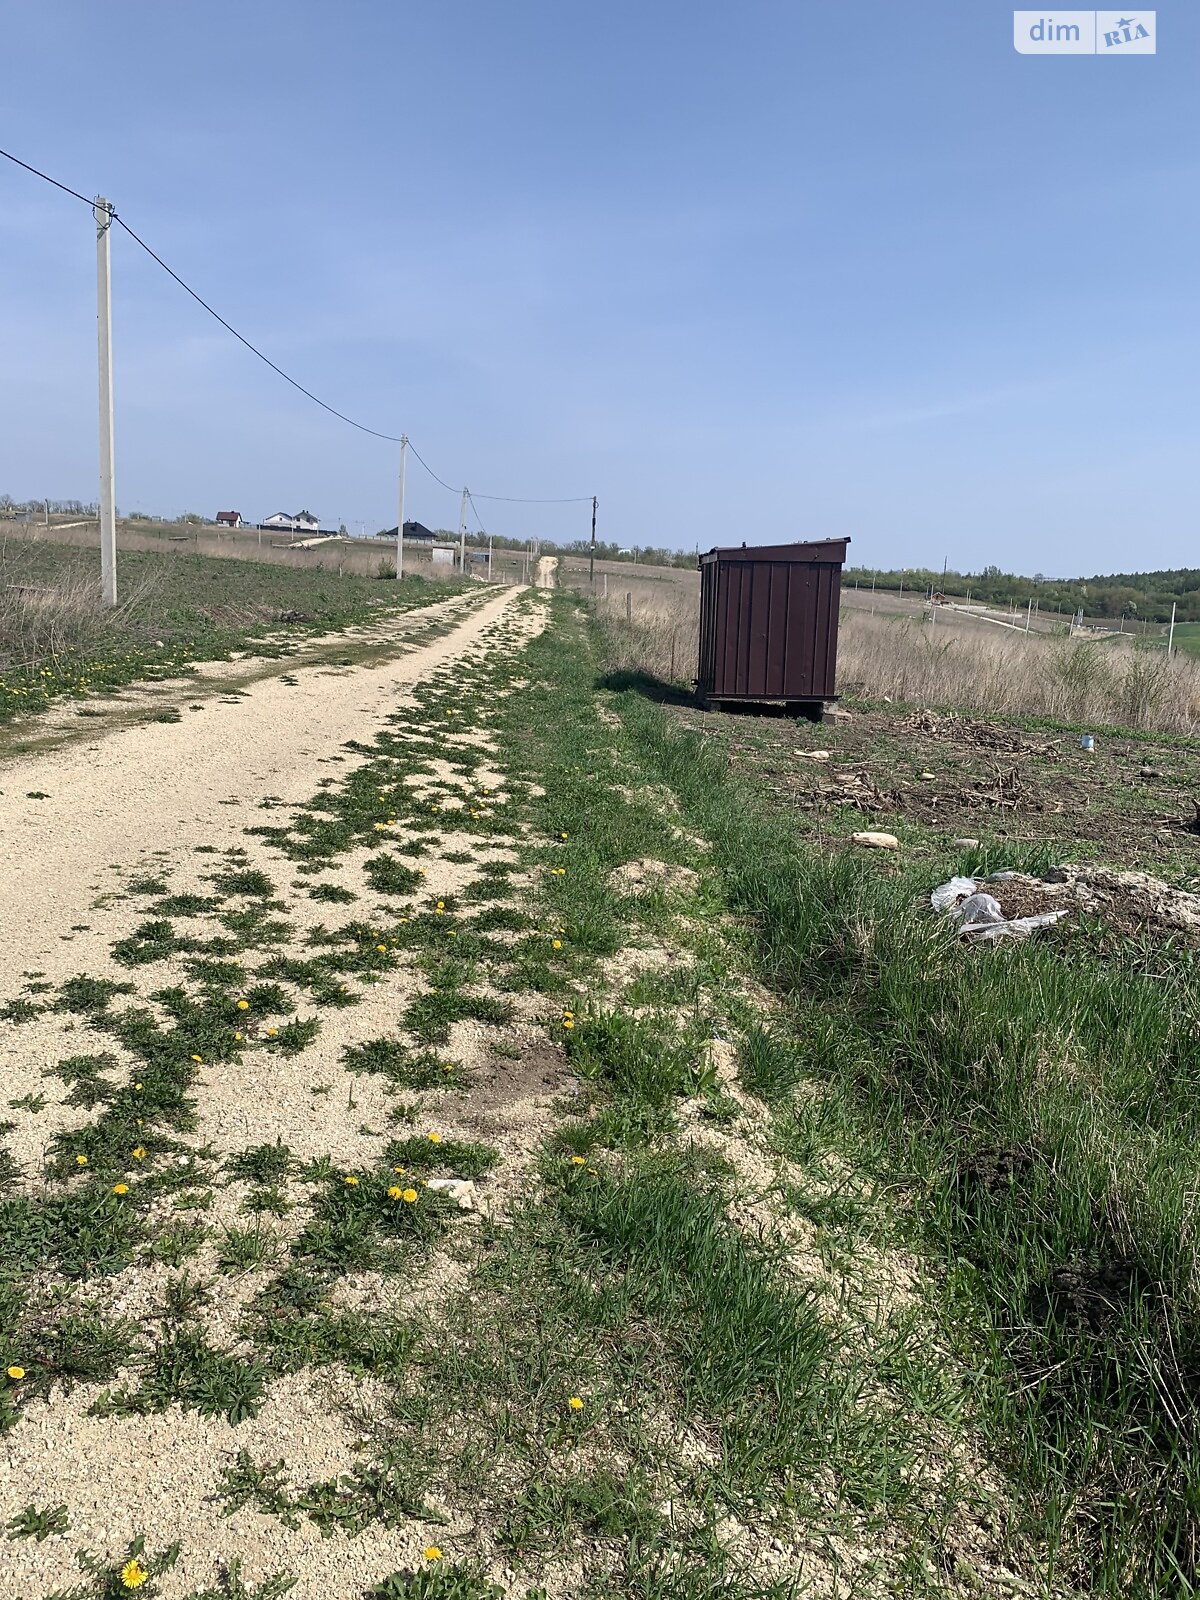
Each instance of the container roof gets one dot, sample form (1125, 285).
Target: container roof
(803, 550)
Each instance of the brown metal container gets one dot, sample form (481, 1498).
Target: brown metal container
(769, 624)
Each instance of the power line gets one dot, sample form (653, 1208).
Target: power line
(520, 500)
(390, 438)
(430, 470)
(45, 176)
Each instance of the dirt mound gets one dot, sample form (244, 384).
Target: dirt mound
(1129, 902)
(650, 877)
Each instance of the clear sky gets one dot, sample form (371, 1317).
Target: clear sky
(746, 271)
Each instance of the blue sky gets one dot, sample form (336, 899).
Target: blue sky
(760, 272)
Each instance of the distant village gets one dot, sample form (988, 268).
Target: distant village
(309, 526)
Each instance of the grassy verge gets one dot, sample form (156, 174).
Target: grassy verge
(1034, 1110)
(56, 640)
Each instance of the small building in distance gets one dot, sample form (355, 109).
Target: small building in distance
(229, 519)
(292, 522)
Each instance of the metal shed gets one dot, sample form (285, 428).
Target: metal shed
(769, 624)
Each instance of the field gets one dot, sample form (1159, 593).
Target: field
(478, 1126)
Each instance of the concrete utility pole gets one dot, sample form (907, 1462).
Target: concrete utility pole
(462, 533)
(489, 558)
(108, 517)
(400, 524)
(592, 560)
(1028, 613)
(1171, 630)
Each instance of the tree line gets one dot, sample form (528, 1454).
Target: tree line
(1143, 596)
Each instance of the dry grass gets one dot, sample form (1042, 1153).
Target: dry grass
(1069, 680)
(652, 626)
(41, 624)
(650, 615)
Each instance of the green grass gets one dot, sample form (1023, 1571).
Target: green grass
(193, 608)
(1037, 1106)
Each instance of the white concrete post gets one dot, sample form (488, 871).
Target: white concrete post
(108, 520)
(400, 524)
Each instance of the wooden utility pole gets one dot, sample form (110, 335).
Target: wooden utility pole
(400, 523)
(592, 560)
(103, 213)
(462, 534)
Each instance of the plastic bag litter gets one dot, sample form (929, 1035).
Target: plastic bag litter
(978, 908)
(980, 916)
(947, 895)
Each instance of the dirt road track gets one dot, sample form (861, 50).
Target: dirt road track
(143, 787)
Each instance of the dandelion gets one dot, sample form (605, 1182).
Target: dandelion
(120, 1188)
(350, 1181)
(395, 1192)
(200, 1059)
(238, 1037)
(271, 1032)
(243, 1005)
(562, 836)
(435, 1138)
(137, 1088)
(409, 1196)
(578, 1161)
(133, 1574)
(575, 1403)
(432, 1552)
(400, 1170)
(382, 948)
(140, 1153)
(81, 1161)
(16, 1373)
(556, 944)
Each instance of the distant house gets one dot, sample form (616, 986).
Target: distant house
(416, 531)
(292, 522)
(229, 519)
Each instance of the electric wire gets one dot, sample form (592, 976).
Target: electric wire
(375, 433)
(74, 193)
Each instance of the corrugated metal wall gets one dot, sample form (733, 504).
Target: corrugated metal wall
(769, 621)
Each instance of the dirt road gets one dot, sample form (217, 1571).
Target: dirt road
(68, 816)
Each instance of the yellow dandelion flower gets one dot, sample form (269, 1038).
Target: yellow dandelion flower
(441, 905)
(568, 1022)
(137, 1088)
(16, 1373)
(271, 1032)
(382, 948)
(133, 1574)
(350, 1181)
(243, 1005)
(140, 1153)
(200, 1059)
(575, 1403)
(81, 1161)
(395, 1192)
(562, 836)
(120, 1188)
(435, 1138)
(409, 1196)
(578, 1161)
(432, 1552)
(556, 944)
(238, 1037)
(400, 1170)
